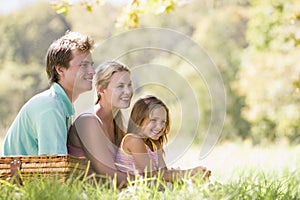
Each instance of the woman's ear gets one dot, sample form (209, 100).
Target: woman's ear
(101, 90)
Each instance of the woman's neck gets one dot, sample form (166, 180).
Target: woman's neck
(106, 117)
(106, 112)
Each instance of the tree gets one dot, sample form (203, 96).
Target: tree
(221, 32)
(131, 13)
(22, 55)
(271, 70)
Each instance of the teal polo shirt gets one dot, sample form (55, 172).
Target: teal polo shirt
(41, 125)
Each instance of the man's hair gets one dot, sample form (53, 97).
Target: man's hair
(60, 52)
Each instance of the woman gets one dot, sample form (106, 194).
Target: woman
(98, 136)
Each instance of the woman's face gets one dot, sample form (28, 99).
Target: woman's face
(156, 124)
(119, 90)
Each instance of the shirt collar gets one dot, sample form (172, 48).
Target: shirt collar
(59, 91)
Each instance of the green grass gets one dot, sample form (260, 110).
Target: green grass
(249, 184)
(234, 177)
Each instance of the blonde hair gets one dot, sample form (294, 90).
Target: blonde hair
(140, 114)
(104, 72)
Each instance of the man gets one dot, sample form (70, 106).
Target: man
(41, 125)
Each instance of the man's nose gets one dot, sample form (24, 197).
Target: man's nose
(92, 70)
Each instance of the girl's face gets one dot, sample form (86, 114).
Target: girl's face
(156, 124)
(119, 90)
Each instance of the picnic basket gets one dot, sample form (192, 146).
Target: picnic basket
(26, 167)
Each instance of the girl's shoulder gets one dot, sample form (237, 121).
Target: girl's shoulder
(133, 143)
(131, 137)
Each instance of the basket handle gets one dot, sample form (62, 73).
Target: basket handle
(15, 169)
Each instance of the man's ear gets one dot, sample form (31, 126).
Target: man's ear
(60, 70)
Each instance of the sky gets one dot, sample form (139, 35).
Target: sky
(7, 6)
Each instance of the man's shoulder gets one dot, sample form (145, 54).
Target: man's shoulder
(43, 100)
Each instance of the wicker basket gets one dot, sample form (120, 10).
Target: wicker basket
(26, 167)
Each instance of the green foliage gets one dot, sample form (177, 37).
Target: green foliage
(266, 17)
(224, 44)
(27, 36)
(14, 95)
(63, 6)
(246, 185)
(263, 186)
(22, 55)
(254, 44)
(131, 13)
(270, 71)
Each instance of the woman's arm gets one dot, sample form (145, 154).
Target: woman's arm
(95, 145)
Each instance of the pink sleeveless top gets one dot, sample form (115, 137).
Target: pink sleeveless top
(126, 163)
(78, 152)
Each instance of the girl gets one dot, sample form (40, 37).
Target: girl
(98, 135)
(141, 150)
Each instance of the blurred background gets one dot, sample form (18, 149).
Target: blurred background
(255, 45)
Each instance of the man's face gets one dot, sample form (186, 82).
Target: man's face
(79, 76)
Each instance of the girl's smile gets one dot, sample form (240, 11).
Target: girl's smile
(156, 123)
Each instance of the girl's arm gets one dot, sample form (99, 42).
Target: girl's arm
(173, 174)
(136, 147)
(95, 146)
